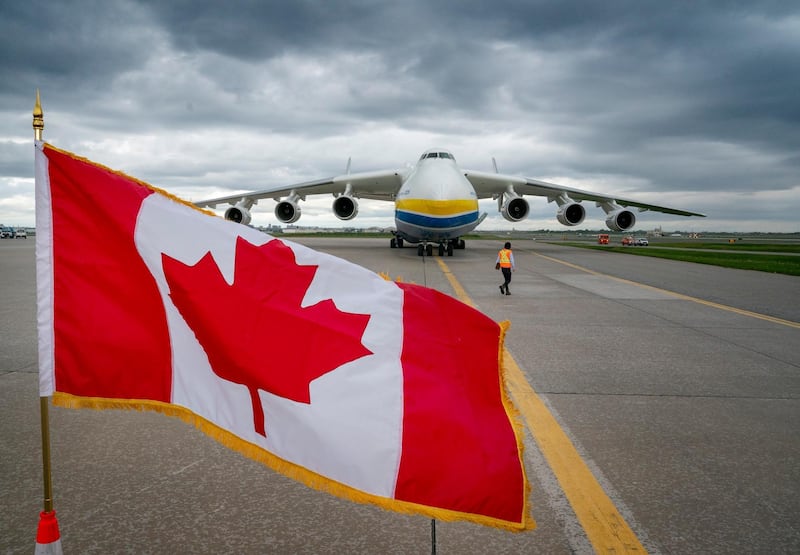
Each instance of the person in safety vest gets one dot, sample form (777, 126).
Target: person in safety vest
(505, 263)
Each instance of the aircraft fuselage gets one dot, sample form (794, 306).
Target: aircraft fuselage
(436, 203)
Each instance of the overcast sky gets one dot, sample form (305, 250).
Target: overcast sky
(694, 105)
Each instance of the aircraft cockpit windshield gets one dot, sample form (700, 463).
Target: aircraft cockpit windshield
(437, 155)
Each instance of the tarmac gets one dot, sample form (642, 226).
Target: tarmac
(677, 384)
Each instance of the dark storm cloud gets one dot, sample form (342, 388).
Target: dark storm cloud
(649, 97)
(271, 28)
(640, 91)
(72, 47)
(15, 158)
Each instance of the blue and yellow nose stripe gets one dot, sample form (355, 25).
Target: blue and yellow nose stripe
(437, 213)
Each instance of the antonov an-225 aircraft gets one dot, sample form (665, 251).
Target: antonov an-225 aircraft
(436, 202)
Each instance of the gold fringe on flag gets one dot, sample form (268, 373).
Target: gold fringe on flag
(282, 466)
(516, 419)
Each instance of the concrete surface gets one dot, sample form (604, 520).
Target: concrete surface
(687, 414)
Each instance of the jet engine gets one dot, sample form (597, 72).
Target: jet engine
(620, 220)
(571, 213)
(345, 207)
(515, 208)
(238, 213)
(287, 210)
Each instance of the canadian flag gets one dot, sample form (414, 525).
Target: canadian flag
(375, 391)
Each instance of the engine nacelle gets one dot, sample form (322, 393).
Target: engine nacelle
(515, 209)
(571, 213)
(238, 214)
(345, 207)
(287, 211)
(620, 220)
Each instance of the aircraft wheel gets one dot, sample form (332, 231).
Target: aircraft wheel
(420, 250)
(441, 249)
(393, 243)
(429, 249)
(461, 244)
(399, 242)
(450, 249)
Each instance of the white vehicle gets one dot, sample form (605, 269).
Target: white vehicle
(436, 201)
(21, 234)
(642, 242)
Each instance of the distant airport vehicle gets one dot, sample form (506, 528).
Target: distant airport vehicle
(21, 234)
(602, 239)
(627, 241)
(642, 242)
(436, 202)
(6, 232)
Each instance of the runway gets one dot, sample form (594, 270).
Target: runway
(676, 384)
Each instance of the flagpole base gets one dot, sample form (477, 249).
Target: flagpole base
(48, 539)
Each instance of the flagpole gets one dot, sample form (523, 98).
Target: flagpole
(48, 538)
(38, 128)
(38, 118)
(48, 480)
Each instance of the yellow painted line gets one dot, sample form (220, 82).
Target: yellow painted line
(606, 529)
(454, 283)
(727, 308)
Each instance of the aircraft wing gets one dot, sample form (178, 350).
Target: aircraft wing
(377, 185)
(488, 185)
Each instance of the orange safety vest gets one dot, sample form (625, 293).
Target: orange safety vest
(505, 258)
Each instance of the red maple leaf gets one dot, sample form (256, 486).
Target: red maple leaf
(254, 331)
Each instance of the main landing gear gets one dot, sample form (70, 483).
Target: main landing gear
(426, 249)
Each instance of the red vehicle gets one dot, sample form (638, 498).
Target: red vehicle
(602, 239)
(627, 242)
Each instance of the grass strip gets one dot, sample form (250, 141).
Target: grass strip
(738, 246)
(772, 263)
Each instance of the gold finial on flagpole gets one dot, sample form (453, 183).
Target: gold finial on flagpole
(38, 118)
